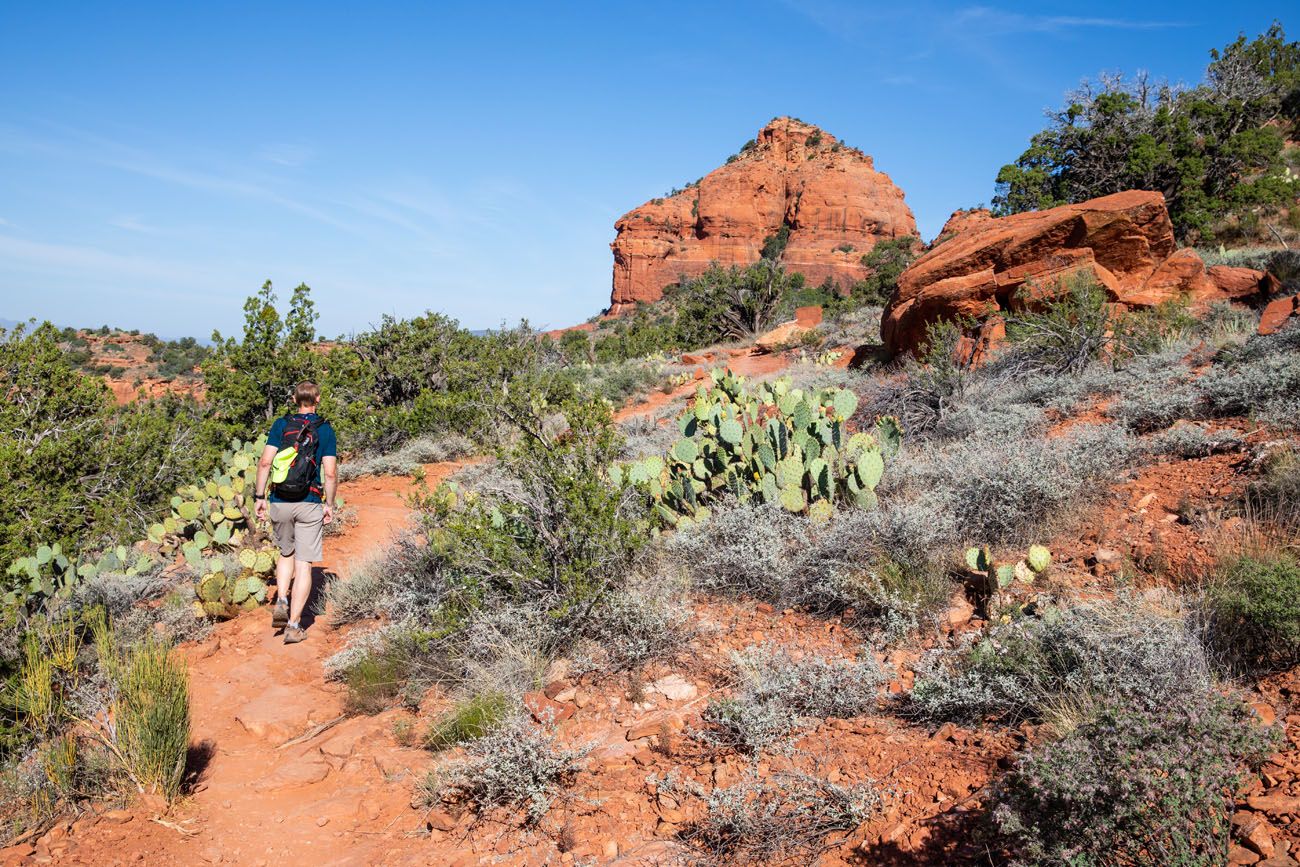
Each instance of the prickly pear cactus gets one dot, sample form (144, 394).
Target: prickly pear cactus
(1002, 575)
(228, 588)
(772, 444)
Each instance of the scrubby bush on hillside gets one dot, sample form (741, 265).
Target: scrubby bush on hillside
(1274, 497)
(926, 390)
(878, 563)
(1138, 784)
(774, 689)
(409, 457)
(86, 716)
(520, 765)
(782, 819)
(1259, 378)
(1253, 607)
(1062, 665)
(507, 573)
(1000, 489)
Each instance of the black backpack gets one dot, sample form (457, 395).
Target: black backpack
(303, 434)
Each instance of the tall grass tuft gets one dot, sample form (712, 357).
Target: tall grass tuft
(152, 714)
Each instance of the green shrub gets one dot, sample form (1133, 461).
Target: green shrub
(469, 719)
(152, 716)
(886, 261)
(1065, 333)
(774, 245)
(1254, 610)
(75, 469)
(1136, 785)
(374, 679)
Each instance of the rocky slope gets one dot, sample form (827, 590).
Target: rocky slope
(1125, 241)
(829, 197)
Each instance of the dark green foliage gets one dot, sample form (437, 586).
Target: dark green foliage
(886, 261)
(75, 468)
(251, 381)
(176, 358)
(735, 302)
(1137, 785)
(774, 245)
(1254, 608)
(561, 537)
(1213, 150)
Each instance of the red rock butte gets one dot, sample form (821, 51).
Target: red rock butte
(836, 205)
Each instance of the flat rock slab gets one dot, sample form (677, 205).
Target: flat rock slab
(303, 771)
(279, 712)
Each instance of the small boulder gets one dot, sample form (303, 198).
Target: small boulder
(1278, 313)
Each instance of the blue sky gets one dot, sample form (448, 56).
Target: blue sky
(158, 161)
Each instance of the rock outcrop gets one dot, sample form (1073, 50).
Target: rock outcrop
(1125, 241)
(793, 176)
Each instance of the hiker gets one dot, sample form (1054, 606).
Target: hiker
(300, 462)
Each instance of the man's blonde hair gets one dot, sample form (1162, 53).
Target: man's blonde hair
(306, 394)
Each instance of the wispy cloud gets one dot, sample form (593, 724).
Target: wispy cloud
(289, 155)
(81, 146)
(1001, 21)
(80, 260)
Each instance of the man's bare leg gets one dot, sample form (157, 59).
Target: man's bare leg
(301, 590)
(283, 577)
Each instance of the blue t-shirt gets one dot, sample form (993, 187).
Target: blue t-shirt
(326, 448)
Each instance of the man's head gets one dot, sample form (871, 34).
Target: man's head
(306, 395)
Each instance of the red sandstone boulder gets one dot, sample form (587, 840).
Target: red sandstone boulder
(1242, 283)
(1278, 313)
(1124, 241)
(835, 203)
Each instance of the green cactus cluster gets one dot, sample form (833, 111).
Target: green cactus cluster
(51, 571)
(226, 589)
(1002, 575)
(211, 518)
(776, 444)
(216, 514)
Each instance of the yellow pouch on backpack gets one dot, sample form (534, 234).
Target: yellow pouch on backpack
(280, 466)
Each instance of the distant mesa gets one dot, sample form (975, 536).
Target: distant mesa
(816, 203)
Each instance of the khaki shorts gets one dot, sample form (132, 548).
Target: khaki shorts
(299, 529)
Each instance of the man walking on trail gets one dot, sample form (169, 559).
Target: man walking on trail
(300, 462)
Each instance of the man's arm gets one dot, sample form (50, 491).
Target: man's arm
(263, 474)
(329, 466)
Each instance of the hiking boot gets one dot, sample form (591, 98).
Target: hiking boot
(280, 614)
(294, 634)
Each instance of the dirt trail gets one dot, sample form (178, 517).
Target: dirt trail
(272, 788)
(747, 363)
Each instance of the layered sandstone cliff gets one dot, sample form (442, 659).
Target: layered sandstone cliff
(831, 200)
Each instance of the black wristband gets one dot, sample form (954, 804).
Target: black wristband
(259, 496)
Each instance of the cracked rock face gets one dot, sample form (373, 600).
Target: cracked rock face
(829, 197)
